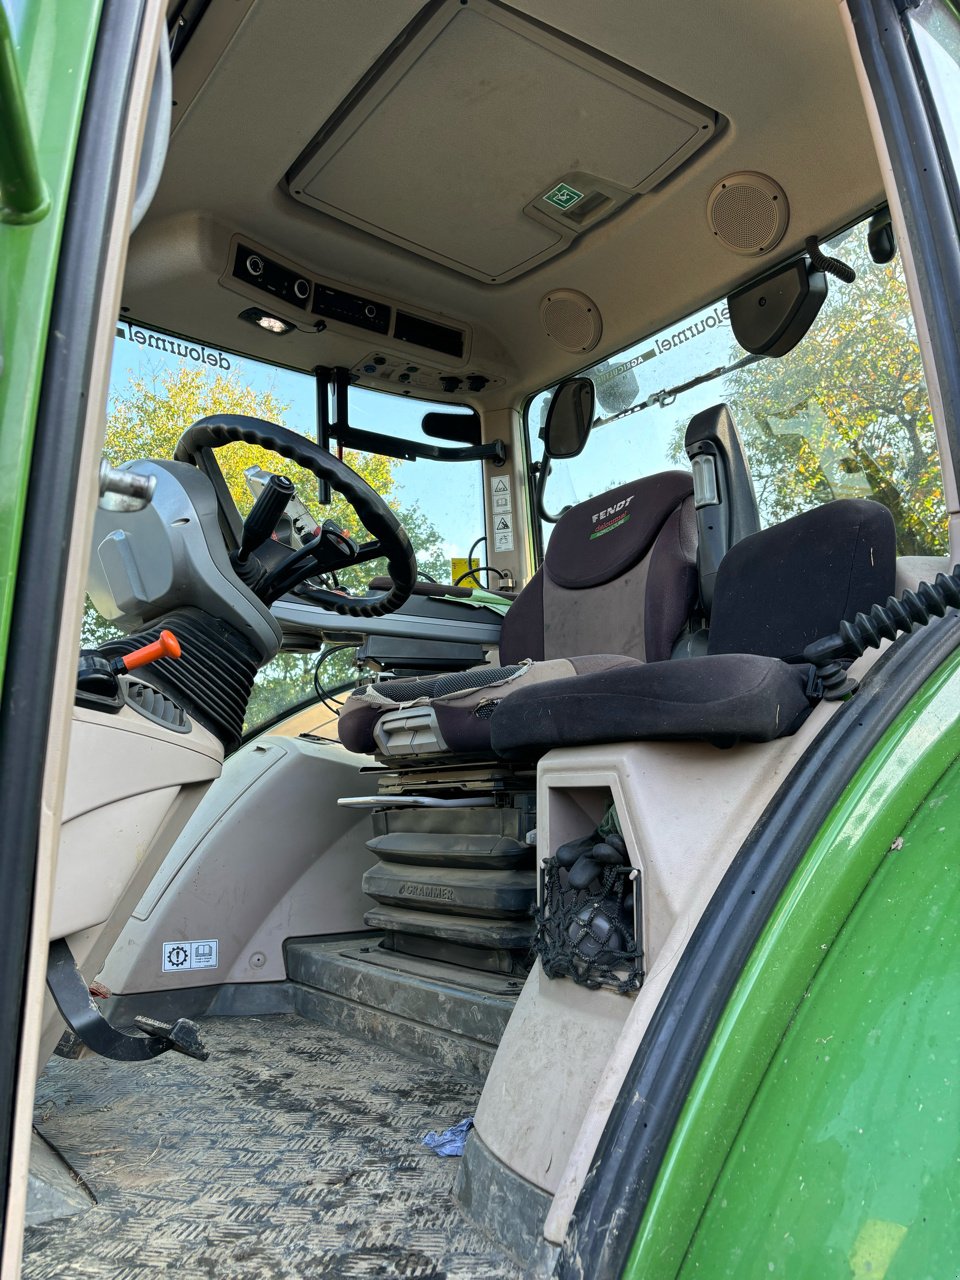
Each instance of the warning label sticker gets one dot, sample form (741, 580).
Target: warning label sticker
(190, 955)
(459, 569)
(501, 497)
(503, 533)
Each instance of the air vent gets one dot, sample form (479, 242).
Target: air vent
(156, 706)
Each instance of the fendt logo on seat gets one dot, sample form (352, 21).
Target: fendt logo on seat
(611, 517)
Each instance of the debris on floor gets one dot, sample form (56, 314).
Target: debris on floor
(452, 1141)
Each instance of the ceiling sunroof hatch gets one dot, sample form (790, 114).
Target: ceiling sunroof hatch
(578, 135)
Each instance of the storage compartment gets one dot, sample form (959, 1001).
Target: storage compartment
(590, 915)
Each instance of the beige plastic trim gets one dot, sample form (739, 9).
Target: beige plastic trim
(441, 216)
(507, 424)
(124, 778)
(266, 856)
(55, 767)
(672, 809)
(685, 810)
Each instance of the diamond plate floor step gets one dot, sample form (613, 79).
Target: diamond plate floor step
(423, 1007)
(295, 1151)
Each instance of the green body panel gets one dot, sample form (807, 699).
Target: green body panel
(53, 54)
(847, 1164)
(766, 1173)
(23, 197)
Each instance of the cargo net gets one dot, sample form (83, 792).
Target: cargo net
(589, 933)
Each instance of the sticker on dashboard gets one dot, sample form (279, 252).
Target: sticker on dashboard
(203, 954)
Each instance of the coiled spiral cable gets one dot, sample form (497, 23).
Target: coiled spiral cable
(882, 622)
(821, 261)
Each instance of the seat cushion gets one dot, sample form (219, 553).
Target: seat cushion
(721, 699)
(461, 702)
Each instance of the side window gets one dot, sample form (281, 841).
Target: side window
(843, 415)
(161, 384)
(440, 504)
(936, 29)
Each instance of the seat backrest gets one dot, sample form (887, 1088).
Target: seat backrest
(619, 576)
(781, 589)
(723, 493)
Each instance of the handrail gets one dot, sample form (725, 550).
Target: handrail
(23, 196)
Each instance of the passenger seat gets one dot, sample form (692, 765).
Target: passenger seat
(777, 591)
(618, 583)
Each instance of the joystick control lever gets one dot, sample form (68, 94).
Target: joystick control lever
(265, 514)
(259, 526)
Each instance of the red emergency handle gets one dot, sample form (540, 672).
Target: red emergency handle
(166, 646)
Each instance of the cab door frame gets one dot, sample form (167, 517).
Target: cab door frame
(100, 78)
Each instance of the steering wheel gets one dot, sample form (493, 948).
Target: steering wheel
(389, 541)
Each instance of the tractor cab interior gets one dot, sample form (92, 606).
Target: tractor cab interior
(376, 834)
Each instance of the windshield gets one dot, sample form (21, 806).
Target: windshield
(843, 415)
(160, 384)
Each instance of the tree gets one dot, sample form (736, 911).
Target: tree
(845, 414)
(147, 420)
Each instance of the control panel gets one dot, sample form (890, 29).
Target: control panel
(255, 268)
(415, 376)
(252, 267)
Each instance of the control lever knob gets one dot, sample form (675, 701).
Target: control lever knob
(263, 519)
(165, 646)
(97, 675)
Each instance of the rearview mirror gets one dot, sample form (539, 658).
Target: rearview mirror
(464, 428)
(770, 318)
(569, 418)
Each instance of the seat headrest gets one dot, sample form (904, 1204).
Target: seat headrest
(603, 537)
(779, 590)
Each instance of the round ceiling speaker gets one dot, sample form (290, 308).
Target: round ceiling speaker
(748, 212)
(571, 319)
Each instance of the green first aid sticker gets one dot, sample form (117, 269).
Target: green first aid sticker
(563, 196)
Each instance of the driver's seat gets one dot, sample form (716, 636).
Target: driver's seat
(618, 583)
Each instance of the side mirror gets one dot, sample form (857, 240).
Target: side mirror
(569, 418)
(880, 238)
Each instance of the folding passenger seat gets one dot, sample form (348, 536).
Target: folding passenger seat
(777, 591)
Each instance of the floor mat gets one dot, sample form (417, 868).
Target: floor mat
(293, 1153)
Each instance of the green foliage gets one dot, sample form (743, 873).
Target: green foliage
(147, 420)
(845, 414)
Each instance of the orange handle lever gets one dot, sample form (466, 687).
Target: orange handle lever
(167, 646)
